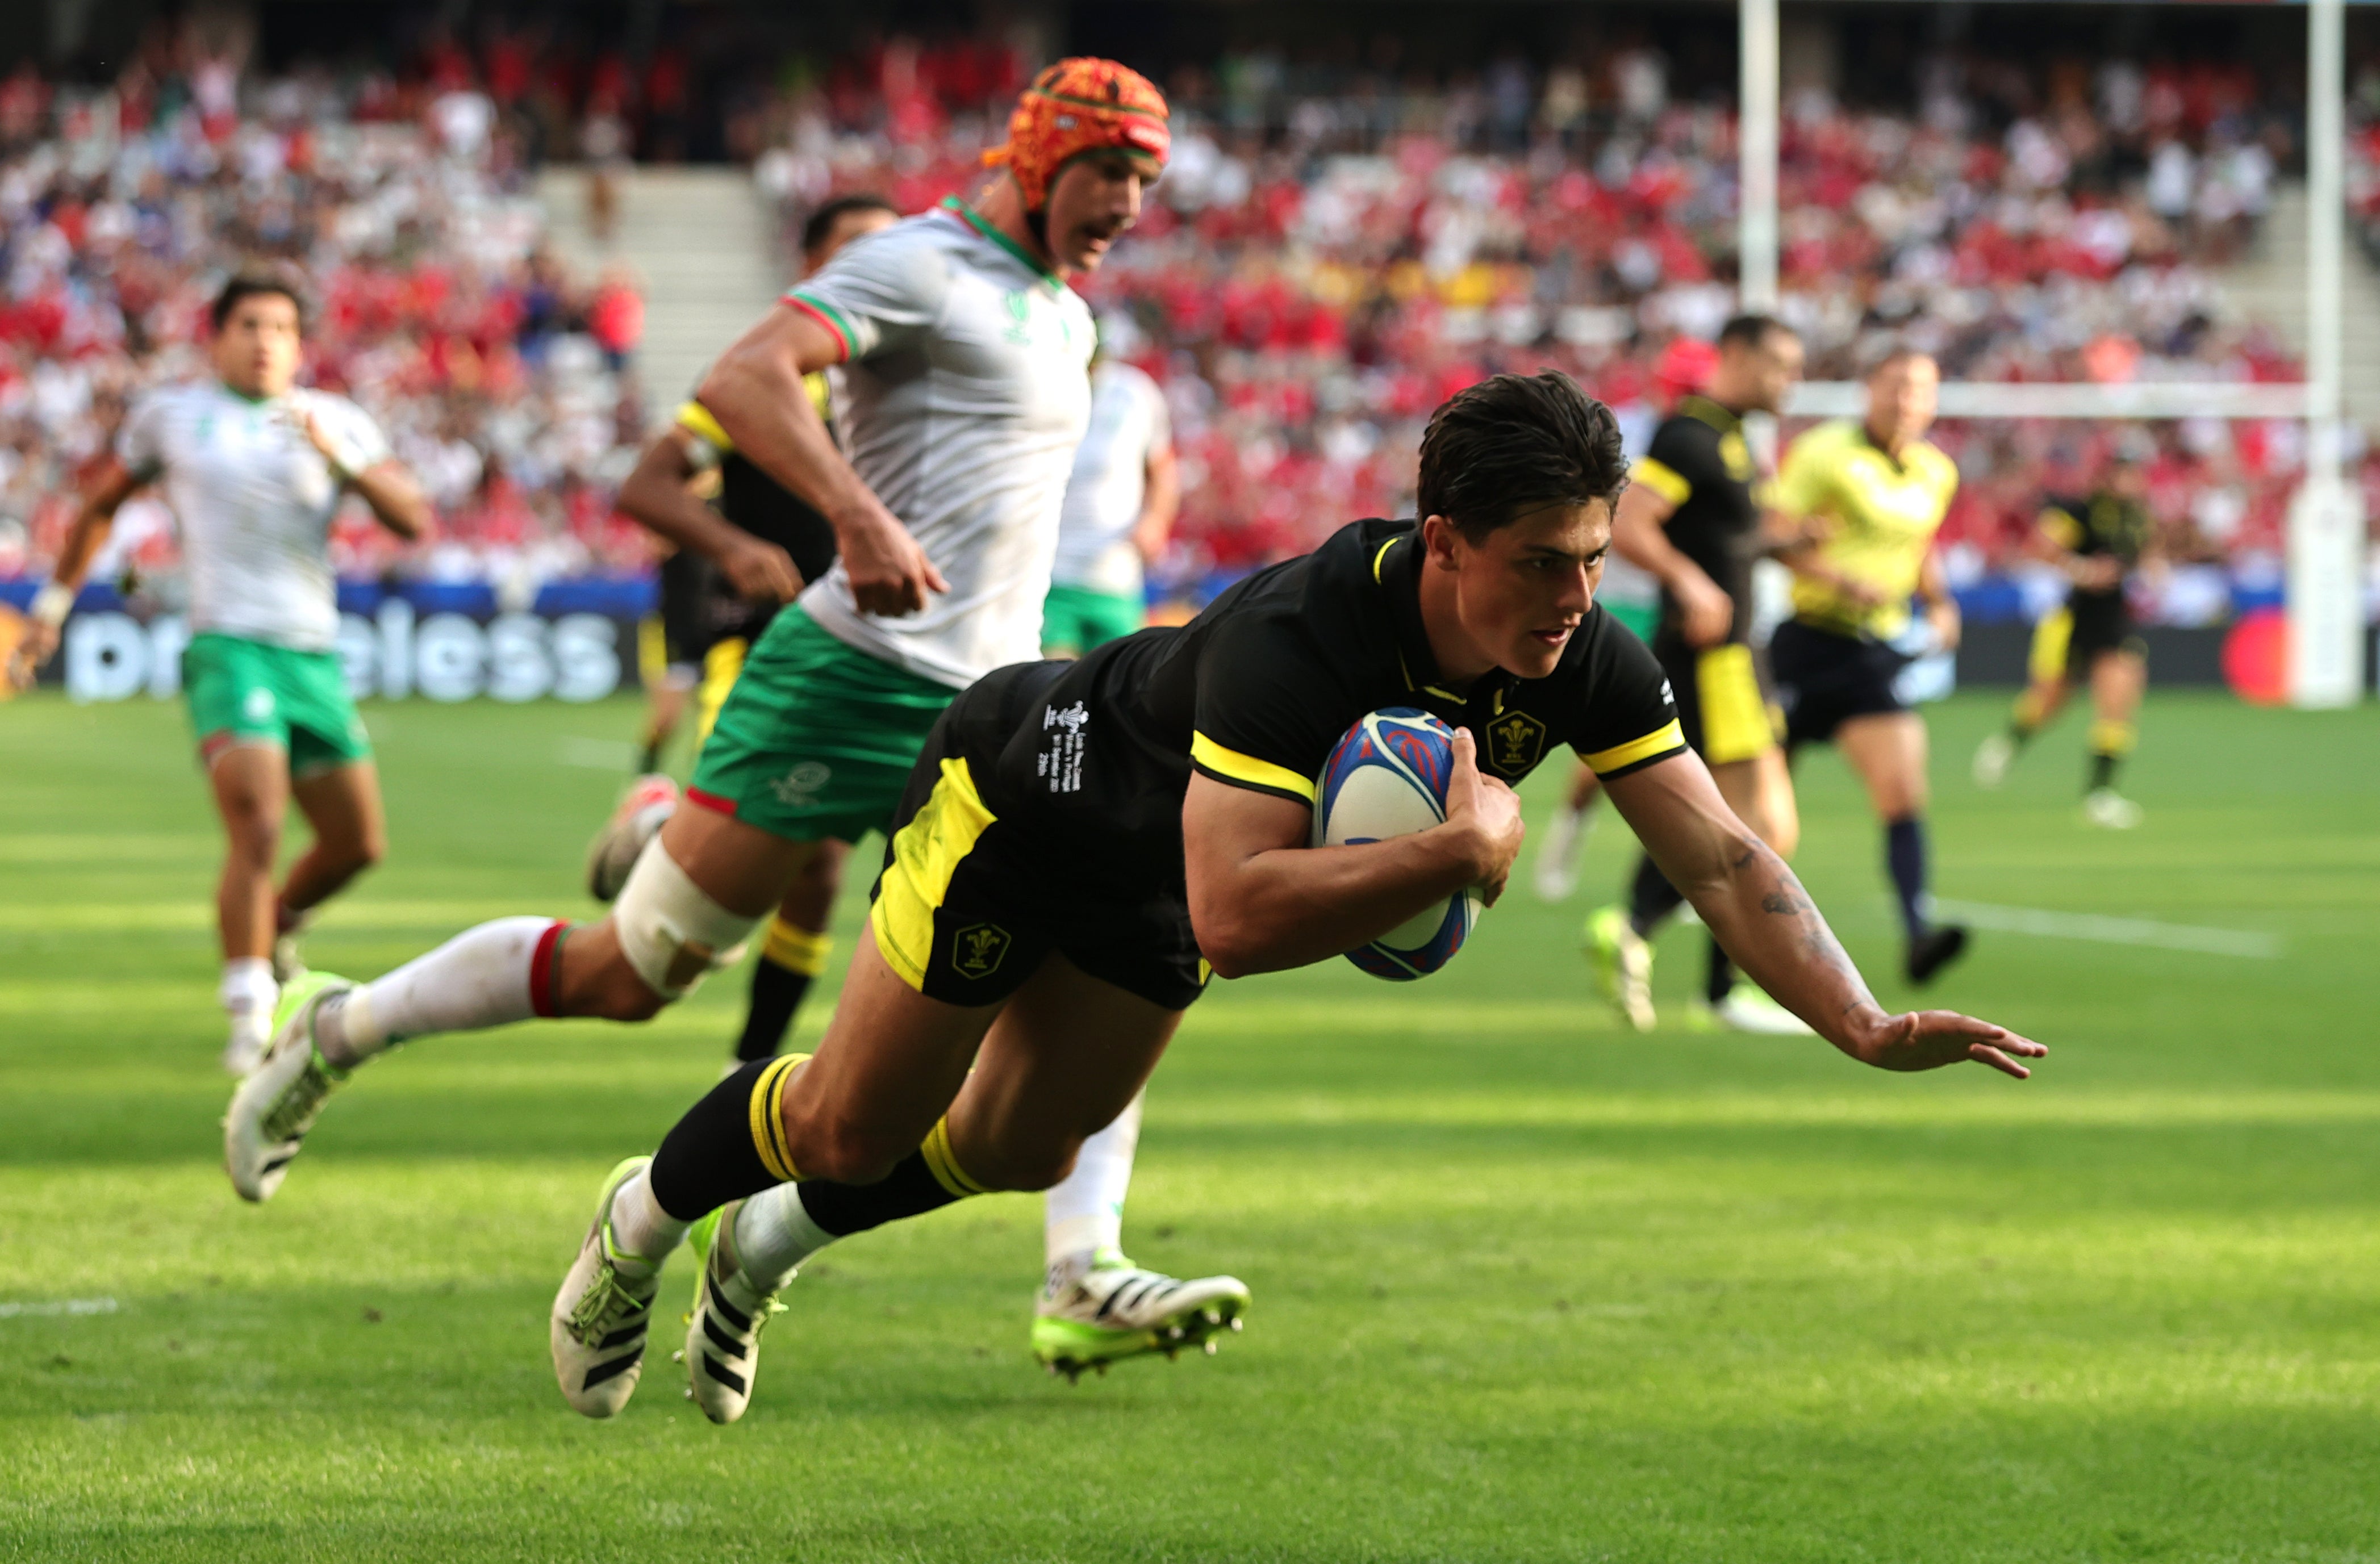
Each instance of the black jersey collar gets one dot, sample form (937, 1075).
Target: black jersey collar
(1396, 568)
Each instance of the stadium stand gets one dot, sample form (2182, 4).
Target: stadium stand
(1333, 251)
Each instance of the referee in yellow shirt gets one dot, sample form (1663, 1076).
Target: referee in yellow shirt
(1872, 492)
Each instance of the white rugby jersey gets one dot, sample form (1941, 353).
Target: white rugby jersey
(965, 390)
(1109, 480)
(254, 500)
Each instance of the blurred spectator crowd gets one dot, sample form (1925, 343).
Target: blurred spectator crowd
(502, 380)
(1335, 248)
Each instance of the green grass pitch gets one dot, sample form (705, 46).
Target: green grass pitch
(1526, 1286)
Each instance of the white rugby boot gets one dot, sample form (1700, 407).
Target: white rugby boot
(273, 1107)
(601, 1315)
(1099, 1308)
(722, 1329)
(2109, 810)
(1623, 965)
(1994, 756)
(1747, 1008)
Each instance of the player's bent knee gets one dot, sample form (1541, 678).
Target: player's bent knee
(672, 934)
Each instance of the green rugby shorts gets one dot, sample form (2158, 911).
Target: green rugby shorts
(243, 691)
(816, 739)
(1076, 619)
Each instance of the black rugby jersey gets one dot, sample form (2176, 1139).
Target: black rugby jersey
(767, 509)
(1255, 691)
(2104, 522)
(1700, 463)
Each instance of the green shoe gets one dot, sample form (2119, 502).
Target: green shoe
(1103, 1308)
(597, 1328)
(1623, 965)
(279, 1101)
(722, 1329)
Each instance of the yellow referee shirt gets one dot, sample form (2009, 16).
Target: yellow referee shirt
(1883, 514)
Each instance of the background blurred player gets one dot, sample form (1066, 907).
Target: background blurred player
(771, 544)
(966, 358)
(2097, 542)
(254, 468)
(1121, 499)
(1876, 492)
(1692, 517)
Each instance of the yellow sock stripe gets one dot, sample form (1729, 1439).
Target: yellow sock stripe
(943, 1165)
(768, 1119)
(2113, 738)
(796, 949)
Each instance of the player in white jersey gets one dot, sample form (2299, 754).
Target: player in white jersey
(254, 467)
(1119, 510)
(965, 358)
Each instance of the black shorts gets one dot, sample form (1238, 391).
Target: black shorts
(685, 608)
(1824, 680)
(1727, 703)
(2071, 639)
(969, 904)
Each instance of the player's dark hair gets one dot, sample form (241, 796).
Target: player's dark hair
(249, 285)
(1515, 443)
(1751, 330)
(821, 222)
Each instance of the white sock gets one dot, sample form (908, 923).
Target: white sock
(1084, 1214)
(639, 1225)
(773, 1235)
(249, 993)
(479, 978)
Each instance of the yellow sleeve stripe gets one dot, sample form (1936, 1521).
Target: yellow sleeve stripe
(1661, 478)
(1230, 765)
(1622, 756)
(696, 419)
(1377, 560)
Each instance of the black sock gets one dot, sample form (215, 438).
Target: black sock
(777, 992)
(1904, 854)
(2103, 769)
(1721, 979)
(909, 1190)
(1651, 898)
(708, 1158)
(651, 759)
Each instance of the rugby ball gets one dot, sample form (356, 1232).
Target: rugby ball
(1388, 777)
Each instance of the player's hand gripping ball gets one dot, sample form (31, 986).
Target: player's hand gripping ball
(1388, 777)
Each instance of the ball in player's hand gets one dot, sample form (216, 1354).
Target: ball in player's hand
(1385, 778)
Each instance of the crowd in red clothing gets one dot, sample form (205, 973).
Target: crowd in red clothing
(1326, 258)
(501, 379)
(1331, 252)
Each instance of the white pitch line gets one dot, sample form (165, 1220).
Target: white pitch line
(2113, 930)
(59, 1306)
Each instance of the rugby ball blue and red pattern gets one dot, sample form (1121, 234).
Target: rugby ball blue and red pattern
(1387, 777)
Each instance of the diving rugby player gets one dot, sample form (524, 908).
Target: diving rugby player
(1083, 845)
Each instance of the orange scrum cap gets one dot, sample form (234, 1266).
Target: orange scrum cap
(1084, 105)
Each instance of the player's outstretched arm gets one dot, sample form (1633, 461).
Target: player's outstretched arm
(755, 392)
(103, 496)
(1262, 899)
(1763, 918)
(656, 497)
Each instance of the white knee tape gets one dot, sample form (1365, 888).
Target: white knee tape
(672, 933)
